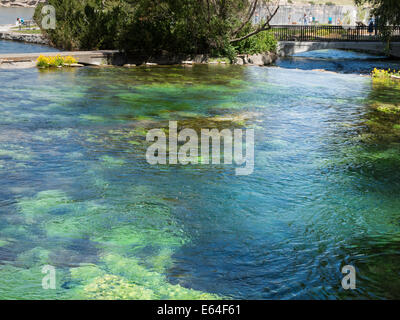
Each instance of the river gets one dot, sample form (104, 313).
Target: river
(78, 194)
(8, 16)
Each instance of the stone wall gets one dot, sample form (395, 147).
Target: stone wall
(31, 38)
(20, 3)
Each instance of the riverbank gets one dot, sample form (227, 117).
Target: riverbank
(23, 37)
(7, 33)
(164, 58)
(116, 58)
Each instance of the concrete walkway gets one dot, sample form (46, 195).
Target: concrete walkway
(288, 48)
(101, 57)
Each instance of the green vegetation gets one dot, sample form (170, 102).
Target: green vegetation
(388, 12)
(261, 42)
(54, 61)
(26, 30)
(121, 272)
(384, 119)
(219, 28)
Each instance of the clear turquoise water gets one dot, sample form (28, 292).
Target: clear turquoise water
(338, 61)
(78, 194)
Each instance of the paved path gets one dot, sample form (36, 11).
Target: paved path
(100, 57)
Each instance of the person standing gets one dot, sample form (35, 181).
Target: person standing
(371, 26)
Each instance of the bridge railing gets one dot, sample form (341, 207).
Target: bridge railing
(329, 33)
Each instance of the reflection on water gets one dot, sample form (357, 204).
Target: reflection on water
(78, 194)
(338, 61)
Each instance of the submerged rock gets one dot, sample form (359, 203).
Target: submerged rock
(129, 65)
(262, 59)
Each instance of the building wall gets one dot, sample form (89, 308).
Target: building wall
(20, 3)
(293, 14)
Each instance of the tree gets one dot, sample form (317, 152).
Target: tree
(150, 26)
(271, 7)
(387, 11)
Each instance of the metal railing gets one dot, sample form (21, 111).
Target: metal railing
(330, 33)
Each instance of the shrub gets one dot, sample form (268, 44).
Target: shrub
(148, 27)
(85, 24)
(54, 61)
(384, 74)
(260, 43)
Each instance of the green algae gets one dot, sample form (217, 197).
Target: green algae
(126, 278)
(133, 271)
(71, 227)
(3, 243)
(138, 225)
(85, 274)
(37, 256)
(162, 261)
(14, 231)
(137, 237)
(42, 203)
(18, 155)
(112, 161)
(116, 277)
(111, 287)
(134, 142)
(26, 283)
(388, 108)
(91, 117)
(130, 236)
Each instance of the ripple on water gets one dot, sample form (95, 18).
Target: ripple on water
(87, 202)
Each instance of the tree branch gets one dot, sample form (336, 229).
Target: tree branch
(263, 27)
(250, 14)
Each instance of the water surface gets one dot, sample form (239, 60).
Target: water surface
(78, 194)
(9, 47)
(338, 61)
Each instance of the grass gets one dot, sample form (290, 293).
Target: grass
(27, 31)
